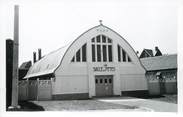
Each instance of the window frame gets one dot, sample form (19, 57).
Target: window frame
(123, 55)
(104, 56)
(80, 55)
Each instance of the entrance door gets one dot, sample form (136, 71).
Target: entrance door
(104, 85)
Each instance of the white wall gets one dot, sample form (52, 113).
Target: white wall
(71, 84)
(132, 82)
(79, 77)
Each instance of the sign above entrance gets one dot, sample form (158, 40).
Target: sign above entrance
(104, 68)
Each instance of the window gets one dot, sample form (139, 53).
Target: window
(98, 53)
(73, 59)
(103, 39)
(122, 55)
(110, 52)
(102, 50)
(110, 80)
(119, 53)
(109, 40)
(105, 80)
(98, 39)
(93, 39)
(129, 60)
(104, 53)
(84, 53)
(101, 80)
(93, 53)
(96, 81)
(80, 55)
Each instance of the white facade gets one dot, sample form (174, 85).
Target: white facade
(77, 75)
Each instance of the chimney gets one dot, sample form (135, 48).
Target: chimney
(158, 52)
(156, 49)
(34, 57)
(39, 54)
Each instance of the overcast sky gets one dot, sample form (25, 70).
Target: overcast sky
(50, 25)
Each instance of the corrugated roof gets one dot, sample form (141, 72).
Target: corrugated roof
(47, 64)
(160, 62)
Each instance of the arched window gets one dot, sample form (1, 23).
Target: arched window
(101, 49)
(80, 55)
(122, 55)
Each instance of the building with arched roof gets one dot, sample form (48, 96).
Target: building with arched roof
(99, 62)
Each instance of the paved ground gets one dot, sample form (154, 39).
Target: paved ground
(166, 98)
(149, 104)
(110, 104)
(82, 105)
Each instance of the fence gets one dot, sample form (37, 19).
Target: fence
(35, 90)
(165, 86)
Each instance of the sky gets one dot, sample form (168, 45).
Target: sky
(50, 25)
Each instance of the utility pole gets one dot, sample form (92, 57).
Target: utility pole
(14, 101)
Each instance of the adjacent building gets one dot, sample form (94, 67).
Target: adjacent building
(161, 74)
(149, 53)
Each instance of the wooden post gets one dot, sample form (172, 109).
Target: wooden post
(14, 101)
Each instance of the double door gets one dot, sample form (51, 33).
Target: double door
(104, 85)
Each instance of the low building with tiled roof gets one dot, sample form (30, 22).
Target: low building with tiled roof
(157, 63)
(161, 74)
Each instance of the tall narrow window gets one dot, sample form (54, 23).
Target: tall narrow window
(103, 39)
(78, 56)
(98, 38)
(101, 49)
(93, 39)
(124, 55)
(84, 53)
(109, 40)
(93, 52)
(110, 52)
(104, 53)
(129, 60)
(72, 59)
(98, 53)
(119, 53)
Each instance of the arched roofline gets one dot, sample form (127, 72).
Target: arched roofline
(88, 31)
(128, 44)
(73, 43)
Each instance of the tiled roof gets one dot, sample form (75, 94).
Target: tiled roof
(149, 51)
(160, 62)
(146, 53)
(26, 65)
